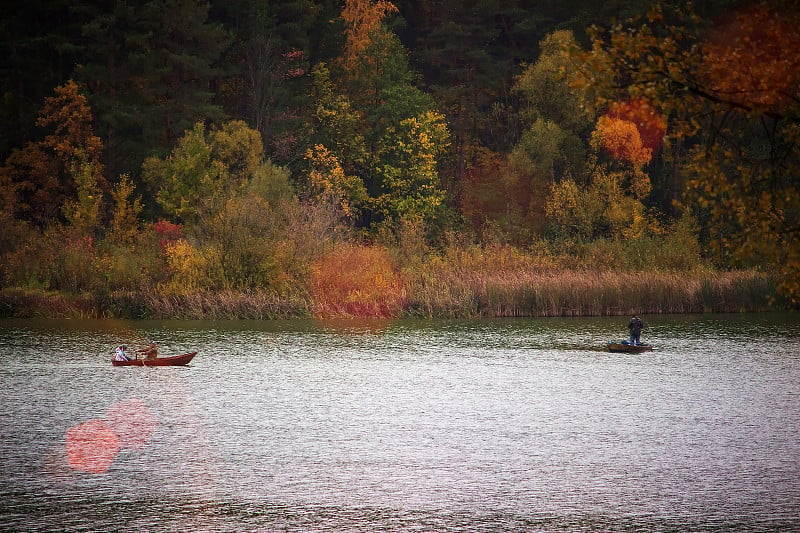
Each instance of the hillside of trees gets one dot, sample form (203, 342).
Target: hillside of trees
(376, 158)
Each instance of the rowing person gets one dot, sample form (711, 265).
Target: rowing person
(150, 351)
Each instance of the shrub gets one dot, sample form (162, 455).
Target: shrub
(357, 281)
(191, 269)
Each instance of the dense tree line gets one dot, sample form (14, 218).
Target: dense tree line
(190, 145)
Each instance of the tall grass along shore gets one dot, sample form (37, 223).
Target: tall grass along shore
(441, 293)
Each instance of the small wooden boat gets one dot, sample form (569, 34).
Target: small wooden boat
(627, 347)
(175, 360)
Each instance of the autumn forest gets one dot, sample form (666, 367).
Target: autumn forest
(376, 158)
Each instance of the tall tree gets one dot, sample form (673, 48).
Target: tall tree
(42, 173)
(126, 208)
(117, 38)
(363, 20)
(378, 126)
(732, 95)
(266, 80)
(150, 74)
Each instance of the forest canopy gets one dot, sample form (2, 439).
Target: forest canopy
(182, 147)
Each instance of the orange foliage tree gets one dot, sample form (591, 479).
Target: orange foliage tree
(650, 124)
(42, 173)
(731, 93)
(621, 139)
(362, 19)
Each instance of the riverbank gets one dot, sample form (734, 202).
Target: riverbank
(442, 294)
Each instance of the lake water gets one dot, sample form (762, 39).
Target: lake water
(424, 426)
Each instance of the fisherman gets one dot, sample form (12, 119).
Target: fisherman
(635, 326)
(150, 351)
(119, 353)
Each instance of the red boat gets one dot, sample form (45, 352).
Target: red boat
(175, 360)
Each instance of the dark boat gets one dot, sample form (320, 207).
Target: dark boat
(627, 347)
(175, 360)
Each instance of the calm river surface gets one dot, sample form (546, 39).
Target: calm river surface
(490, 425)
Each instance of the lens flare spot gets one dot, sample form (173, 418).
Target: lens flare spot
(133, 423)
(91, 446)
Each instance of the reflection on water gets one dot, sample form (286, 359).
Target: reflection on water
(507, 425)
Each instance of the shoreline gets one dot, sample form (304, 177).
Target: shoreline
(560, 293)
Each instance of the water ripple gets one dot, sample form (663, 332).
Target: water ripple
(517, 425)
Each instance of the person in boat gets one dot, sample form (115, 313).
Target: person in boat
(150, 351)
(120, 355)
(635, 326)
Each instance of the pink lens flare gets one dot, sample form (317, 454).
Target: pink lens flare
(91, 447)
(133, 423)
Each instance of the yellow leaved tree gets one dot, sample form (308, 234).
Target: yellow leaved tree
(730, 93)
(362, 19)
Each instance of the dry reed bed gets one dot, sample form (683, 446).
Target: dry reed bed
(225, 305)
(589, 293)
(441, 292)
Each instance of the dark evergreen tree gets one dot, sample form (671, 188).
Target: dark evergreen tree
(266, 79)
(150, 71)
(40, 42)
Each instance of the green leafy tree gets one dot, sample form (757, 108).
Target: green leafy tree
(381, 128)
(206, 168)
(556, 121)
(189, 182)
(409, 172)
(239, 148)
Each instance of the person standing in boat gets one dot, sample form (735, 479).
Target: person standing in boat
(150, 351)
(635, 326)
